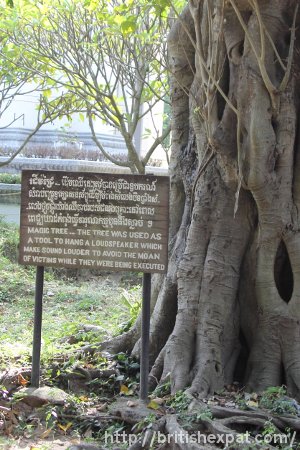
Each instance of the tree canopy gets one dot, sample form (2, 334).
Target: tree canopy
(105, 59)
(15, 82)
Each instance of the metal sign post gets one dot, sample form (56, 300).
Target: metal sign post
(37, 331)
(144, 371)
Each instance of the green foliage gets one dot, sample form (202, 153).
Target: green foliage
(127, 364)
(180, 402)
(162, 389)
(275, 399)
(69, 306)
(9, 240)
(203, 414)
(132, 301)
(108, 56)
(10, 178)
(13, 282)
(111, 430)
(269, 428)
(144, 423)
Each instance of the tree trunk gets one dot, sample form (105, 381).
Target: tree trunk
(229, 308)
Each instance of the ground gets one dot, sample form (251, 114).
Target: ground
(92, 396)
(61, 443)
(78, 308)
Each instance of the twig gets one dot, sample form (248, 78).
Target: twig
(285, 80)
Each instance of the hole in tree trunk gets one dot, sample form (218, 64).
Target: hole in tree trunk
(241, 364)
(241, 48)
(283, 273)
(221, 103)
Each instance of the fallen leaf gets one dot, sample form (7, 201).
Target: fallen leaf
(252, 404)
(65, 427)
(153, 405)
(158, 400)
(21, 380)
(124, 389)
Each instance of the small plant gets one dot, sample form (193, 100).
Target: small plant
(127, 364)
(203, 414)
(162, 389)
(273, 436)
(180, 402)
(9, 240)
(110, 434)
(145, 423)
(133, 303)
(51, 417)
(276, 391)
(269, 428)
(275, 399)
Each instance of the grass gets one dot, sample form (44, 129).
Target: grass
(71, 302)
(79, 308)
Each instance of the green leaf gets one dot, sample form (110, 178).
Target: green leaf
(129, 25)
(47, 93)
(118, 19)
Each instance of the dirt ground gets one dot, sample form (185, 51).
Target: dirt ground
(61, 443)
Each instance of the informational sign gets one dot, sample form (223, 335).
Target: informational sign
(98, 221)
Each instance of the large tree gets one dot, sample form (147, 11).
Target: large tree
(229, 307)
(107, 56)
(15, 82)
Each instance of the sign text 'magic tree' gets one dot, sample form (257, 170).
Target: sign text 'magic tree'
(92, 220)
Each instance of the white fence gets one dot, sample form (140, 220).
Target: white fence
(69, 165)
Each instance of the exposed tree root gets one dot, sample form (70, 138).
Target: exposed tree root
(196, 431)
(179, 437)
(181, 422)
(122, 343)
(148, 438)
(233, 419)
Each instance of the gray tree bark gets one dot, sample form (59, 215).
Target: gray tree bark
(229, 307)
(234, 279)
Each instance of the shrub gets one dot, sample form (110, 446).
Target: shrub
(9, 240)
(10, 178)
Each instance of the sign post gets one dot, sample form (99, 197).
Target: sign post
(144, 360)
(94, 221)
(37, 328)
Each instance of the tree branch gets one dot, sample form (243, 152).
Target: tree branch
(155, 144)
(102, 149)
